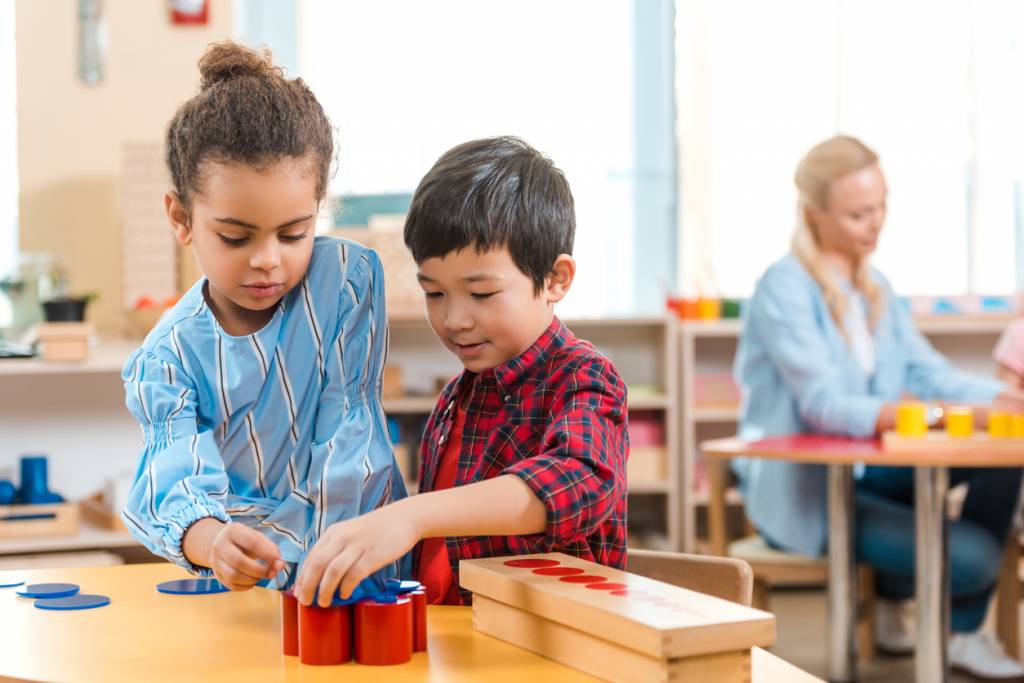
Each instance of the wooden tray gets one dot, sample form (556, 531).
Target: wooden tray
(98, 514)
(27, 521)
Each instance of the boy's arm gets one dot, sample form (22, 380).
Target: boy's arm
(565, 491)
(351, 550)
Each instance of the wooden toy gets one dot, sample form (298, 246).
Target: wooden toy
(419, 620)
(205, 586)
(1000, 425)
(384, 631)
(613, 624)
(1017, 426)
(48, 590)
(325, 634)
(289, 624)
(960, 422)
(910, 419)
(73, 602)
(64, 342)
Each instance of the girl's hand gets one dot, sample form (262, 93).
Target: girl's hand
(350, 551)
(240, 556)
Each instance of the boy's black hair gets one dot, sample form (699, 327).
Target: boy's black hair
(246, 111)
(494, 193)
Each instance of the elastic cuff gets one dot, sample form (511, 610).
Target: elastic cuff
(178, 524)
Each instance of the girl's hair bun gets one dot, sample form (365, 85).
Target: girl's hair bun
(226, 60)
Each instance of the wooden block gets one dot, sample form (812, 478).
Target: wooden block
(607, 660)
(937, 442)
(653, 618)
(69, 332)
(20, 521)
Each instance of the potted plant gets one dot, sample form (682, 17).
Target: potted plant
(67, 309)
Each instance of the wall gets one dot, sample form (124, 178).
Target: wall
(70, 135)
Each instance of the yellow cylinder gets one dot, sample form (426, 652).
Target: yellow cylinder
(960, 422)
(999, 425)
(1017, 426)
(910, 419)
(709, 309)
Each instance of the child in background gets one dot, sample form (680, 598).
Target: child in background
(1009, 354)
(259, 392)
(526, 450)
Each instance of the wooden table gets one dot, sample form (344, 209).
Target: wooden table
(228, 637)
(931, 483)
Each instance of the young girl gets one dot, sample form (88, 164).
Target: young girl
(259, 392)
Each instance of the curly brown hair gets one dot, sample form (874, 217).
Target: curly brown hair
(246, 111)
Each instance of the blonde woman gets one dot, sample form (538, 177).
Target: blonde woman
(828, 348)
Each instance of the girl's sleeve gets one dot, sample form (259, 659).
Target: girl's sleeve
(352, 466)
(794, 341)
(180, 478)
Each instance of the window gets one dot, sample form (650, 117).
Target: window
(404, 80)
(930, 86)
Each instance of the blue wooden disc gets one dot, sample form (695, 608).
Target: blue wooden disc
(48, 590)
(10, 582)
(192, 587)
(80, 601)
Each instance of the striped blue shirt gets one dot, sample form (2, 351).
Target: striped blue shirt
(281, 430)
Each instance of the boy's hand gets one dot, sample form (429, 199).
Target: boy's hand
(350, 551)
(240, 556)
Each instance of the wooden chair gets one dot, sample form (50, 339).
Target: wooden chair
(772, 567)
(722, 577)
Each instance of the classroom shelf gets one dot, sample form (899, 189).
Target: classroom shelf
(88, 537)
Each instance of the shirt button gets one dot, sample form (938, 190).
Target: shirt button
(508, 398)
(440, 442)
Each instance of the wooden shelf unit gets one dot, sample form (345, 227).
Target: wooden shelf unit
(710, 346)
(643, 350)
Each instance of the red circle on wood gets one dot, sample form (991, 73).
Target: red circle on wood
(583, 578)
(607, 586)
(530, 564)
(639, 595)
(558, 571)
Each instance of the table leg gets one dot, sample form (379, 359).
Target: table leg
(932, 567)
(842, 576)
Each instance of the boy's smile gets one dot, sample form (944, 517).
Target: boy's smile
(483, 308)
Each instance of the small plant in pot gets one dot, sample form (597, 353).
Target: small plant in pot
(67, 309)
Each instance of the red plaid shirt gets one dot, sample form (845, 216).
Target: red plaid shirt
(555, 416)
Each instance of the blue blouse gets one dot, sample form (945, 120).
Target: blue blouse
(281, 430)
(797, 373)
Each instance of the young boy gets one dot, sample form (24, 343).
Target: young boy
(526, 449)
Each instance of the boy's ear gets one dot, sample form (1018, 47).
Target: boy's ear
(558, 283)
(179, 219)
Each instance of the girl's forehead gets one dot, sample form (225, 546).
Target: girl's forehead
(284, 186)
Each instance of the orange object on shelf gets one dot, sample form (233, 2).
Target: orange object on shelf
(687, 309)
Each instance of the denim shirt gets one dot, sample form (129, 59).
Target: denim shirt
(797, 373)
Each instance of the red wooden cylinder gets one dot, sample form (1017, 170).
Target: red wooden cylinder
(384, 631)
(289, 624)
(419, 620)
(325, 635)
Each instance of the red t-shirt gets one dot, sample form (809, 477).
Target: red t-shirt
(435, 569)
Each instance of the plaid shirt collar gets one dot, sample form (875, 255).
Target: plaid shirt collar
(511, 373)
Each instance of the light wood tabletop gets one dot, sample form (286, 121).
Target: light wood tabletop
(828, 450)
(235, 637)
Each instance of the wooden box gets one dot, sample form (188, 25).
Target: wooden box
(631, 629)
(96, 512)
(27, 521)
(64, 342)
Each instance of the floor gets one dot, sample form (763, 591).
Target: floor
(802, 626)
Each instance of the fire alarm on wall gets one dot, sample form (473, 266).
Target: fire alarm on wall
(188, 11)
